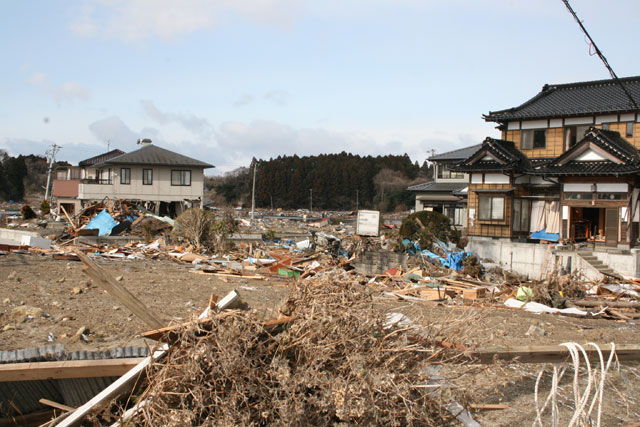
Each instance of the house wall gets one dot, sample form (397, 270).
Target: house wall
(160, 189)
(556, 135)
(494, 228)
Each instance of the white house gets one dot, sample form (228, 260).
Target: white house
(164, 181)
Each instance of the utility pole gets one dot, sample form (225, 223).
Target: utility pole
(311, 200)
(357, 199)
(253, 192)
(51, 152)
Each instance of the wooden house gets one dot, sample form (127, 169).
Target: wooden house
(566, 167)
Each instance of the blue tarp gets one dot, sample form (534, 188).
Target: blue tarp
(103, 222)
(543, 235)
(452, 261)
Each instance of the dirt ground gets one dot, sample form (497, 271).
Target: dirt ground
(65, 300)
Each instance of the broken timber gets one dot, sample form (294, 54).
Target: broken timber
(34, 371)
(550, 353)
(119, 292)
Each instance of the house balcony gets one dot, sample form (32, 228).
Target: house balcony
(65, 187)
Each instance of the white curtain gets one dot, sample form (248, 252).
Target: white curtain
(553, 217)
(538, 216)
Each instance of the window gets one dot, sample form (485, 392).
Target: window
(578, 196)
(629, 128)
(605, 126)
(491, 208)
(445, 173)
(534, 138)
(182, 178)
(521, 215)
(612, 196)
(125, 176)
(573, 135)
(147, 176)
(104, 176)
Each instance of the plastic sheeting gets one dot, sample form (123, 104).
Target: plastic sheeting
(103, 222)
(545, 235)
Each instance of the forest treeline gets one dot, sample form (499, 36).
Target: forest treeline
(325, 182)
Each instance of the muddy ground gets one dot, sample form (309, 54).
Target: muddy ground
(65, 300)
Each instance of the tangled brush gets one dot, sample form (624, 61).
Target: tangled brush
(338, 362)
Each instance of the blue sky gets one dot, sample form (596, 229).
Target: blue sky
(224, 81)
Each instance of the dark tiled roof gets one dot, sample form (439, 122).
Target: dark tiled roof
(101, 158)
(608, 141)
(459, 154)
(153, 155)
(574, 99)
(576, 168)
(507, 155)
(439, 187)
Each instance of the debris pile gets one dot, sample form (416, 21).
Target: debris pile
(335, 358)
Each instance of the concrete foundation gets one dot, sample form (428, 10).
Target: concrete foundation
(528, 258)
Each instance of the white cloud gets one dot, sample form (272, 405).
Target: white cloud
(278, 97)
(245, 99)
(139, 20)
(114, 130)
(194, 124)
(64, 92)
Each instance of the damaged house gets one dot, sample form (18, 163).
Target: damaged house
(447, 193)
(163, 181)
(565, 169)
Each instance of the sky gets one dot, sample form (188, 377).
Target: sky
(224, 81)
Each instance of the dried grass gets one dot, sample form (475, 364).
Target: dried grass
(336, 363)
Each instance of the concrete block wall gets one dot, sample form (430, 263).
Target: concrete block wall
(21, 237)
(528, 258)
(524, 258)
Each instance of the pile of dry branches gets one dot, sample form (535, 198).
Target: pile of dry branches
(339, 361)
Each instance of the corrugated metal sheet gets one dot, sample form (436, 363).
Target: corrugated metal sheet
(21, 397)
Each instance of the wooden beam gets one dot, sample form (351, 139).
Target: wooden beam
(105, 396)
(34, 371)
(68, 218)
(57, 405)
(119, 292)
(550, 353)
(606, 302)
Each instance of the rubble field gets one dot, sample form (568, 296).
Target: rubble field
(58, 299)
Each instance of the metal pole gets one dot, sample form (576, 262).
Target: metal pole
(253, 192)
(357, 199)
(311, 200)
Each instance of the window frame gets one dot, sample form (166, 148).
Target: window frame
(491, 198)
(532, 137)
(125, 173)
(147, 180)
(183, 173)
(629, 130)
(445, 173)
(521, 223)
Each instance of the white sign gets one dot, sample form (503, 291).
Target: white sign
(368, 223)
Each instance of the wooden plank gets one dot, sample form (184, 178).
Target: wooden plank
(105, 396)
(550, 353)
(34, 371)
(68, 217)
(487, 406)
(119, 292)
(57, 405)
(34, 418)
(608, 303)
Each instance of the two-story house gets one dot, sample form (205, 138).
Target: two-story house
(164, 181)
(447, 193)
(566, 167)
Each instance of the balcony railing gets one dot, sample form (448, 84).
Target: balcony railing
(96, 181)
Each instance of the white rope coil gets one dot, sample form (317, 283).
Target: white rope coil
(595, 382)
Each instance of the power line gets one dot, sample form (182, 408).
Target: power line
(600, 54)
